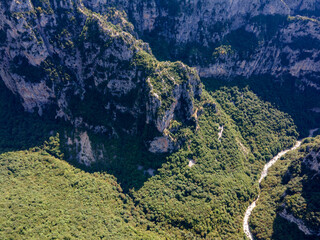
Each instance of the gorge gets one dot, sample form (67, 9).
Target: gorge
(155, 119)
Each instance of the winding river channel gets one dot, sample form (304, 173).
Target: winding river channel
(264, 173)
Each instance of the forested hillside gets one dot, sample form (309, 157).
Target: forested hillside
(205, 200)
(103, 136)
(289, 203)
(43, 197)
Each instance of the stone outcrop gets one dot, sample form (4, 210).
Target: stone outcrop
(81, 60)
(161, 145)
(312, 161)
(90, 69)
(300, 224)
(84, 149)
(279, 38)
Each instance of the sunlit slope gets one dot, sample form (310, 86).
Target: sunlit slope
(43, 197)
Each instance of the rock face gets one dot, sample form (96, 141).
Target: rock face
(226, 39)
(160, 145)
(85, 153)
(81, 60)
(300, 224)
(312, 161)
(90, 68)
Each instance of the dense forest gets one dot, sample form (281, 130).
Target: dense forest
(45, 198)
(235, 134)
(103, 136)
(290, 190)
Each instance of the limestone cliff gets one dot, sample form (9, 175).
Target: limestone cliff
(84, 60)
(225, 39)
(90, 68)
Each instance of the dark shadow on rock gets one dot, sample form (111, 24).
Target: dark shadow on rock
(311, 194)
(130, 161)
(20, 130)
(285, 230)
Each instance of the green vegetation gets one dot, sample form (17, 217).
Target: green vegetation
(229, 138)
(291, 185)
(253, 117)
(209, 199)
(282, 95)
(164, 77)
(42, 6)
(222, 50)
(303, 18)
(121, 158)
(43, 197)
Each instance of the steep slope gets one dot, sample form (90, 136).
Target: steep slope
(187, 159)
(230, 38)
(272, 46)
(289, 204)
(234, 136)
(236, 133)
(209, 196)
(90, 69)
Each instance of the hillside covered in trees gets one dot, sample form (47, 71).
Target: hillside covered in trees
(236, 133)
(107, 133)
(289, 203)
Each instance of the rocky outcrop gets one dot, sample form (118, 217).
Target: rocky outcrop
(301, 225)
(278, 37)
(312, 161)
(85, 154)
(90, 69)
(81, 60)
(161, 145)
